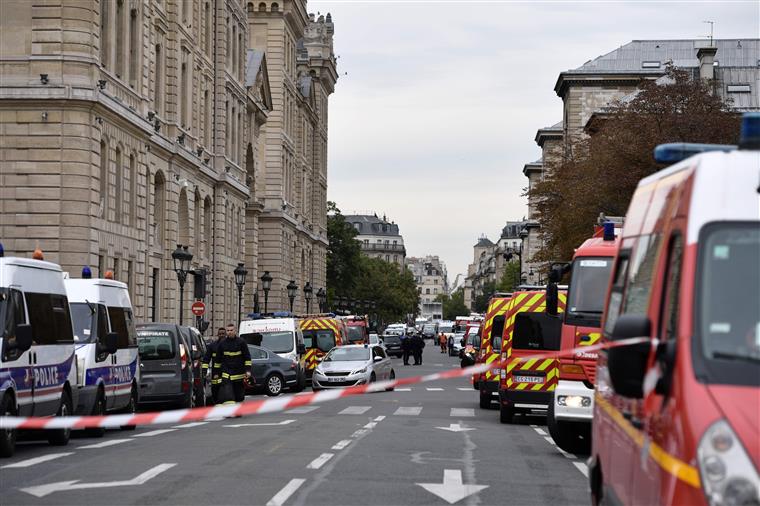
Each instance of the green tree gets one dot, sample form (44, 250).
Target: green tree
(480, 303)
(343, 253)
(510, 280)
(453, 305)
(393, 290)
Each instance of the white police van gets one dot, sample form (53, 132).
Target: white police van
(37, 359)
(106, 346)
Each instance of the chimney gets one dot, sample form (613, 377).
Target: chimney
(706, 56)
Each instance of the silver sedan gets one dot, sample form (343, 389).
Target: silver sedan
(355, 364)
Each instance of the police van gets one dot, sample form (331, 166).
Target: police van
(280, 333)
(106, 345)
(37, 359)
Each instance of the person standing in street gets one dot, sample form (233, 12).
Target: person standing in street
(451, 345)
(417, 344)
(232, 362)
(207, 359)
(442, 342)
(406, 347)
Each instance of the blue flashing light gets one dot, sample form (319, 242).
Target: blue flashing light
(677, 151)
(609, 231)
(86, 272)
(750, 136)
(282, 314)
(2, 251)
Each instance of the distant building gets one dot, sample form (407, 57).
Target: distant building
(379, 238)
(431, 278)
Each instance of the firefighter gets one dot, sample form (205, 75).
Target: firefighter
(232, 363)
(210, 351)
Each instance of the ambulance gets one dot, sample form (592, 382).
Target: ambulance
(38, 373)
(677, 417)
(572, 408)
(487, 383)
(281, 333)
(321, 332)
(106, 346)
(527, 383)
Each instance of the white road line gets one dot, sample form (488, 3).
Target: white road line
(188, 425)
(154, 433)
(341, 444)
(302, 410)
(380, 418)
(409, 411)
(320, 461)
(464, 389)
(540, 431)
(462, 412)
(36, 460)
(583, 468)
(284, 494)
(403, 390)
(359, 433)
(434, 389)
(370, 425)
(355, 410)
(104, 444)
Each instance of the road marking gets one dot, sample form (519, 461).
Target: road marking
(380, 418)
(320, 461)
(462, 412)
(341, 444)
(104, 444)
(359, 433)
(370, 425)
(540, 431)
(62, 486)
(303, 393)
(455, 427)
(355, 410)
(154, 433)
(36, 460)
(188, 425)
(409, 411)
(464, 389)
(583, 468)
(284, 494)
(302, 410)
(452, 489)
(265, 424)
(403, 390)
(434, 389)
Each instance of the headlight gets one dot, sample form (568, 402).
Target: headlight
(728, 475)
(318, 370)
(360, 371)
(574, 401)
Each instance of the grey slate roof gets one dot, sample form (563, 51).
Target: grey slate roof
(484, 241)
(533, 166)
(371, 225)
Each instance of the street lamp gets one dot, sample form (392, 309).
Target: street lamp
(322, 300)
(308, 293)
(240, 274)
(292, 289)
(182, 258)
(266, 285)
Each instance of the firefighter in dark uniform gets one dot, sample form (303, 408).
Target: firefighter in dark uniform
(232, 364)
(208, 357)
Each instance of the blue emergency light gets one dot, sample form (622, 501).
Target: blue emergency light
(86, 272)
(750, 136)
(609, 231)
(2, 251)
(676, 151)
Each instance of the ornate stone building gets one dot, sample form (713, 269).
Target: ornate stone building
(130, 126)
(379, 238)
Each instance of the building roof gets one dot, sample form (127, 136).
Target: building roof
(534, 166)
(372, 225)
(556, 131)
(512, 230)
(484, 242)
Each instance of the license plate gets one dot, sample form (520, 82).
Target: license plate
(529, 379)
(334, 379)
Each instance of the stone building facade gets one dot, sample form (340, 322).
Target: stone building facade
(430, 275)
(128, 127)
(379, 238)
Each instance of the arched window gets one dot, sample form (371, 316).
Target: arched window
(159, 210)
(104, 178)
(207, 224)
(119, 179)
(105, 33)
(275, 7)
(262, 7)
(183, 219)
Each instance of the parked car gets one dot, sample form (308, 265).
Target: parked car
(201, 385)
(351, 365)
(458, 344)
(166, 371)
(392, 344)
(271, 373)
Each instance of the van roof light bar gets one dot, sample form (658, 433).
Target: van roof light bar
(676, 151)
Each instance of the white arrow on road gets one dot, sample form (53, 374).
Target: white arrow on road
(455, 427)
(64, 486)
(452, 489)
(284, 422)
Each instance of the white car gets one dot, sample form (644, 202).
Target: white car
(458, 346)
(355, 364)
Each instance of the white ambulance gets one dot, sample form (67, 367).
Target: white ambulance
(106, 346)
(37, 359)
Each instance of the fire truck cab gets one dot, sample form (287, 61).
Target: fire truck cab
(357, 329)
(321, 333)
(677, 417)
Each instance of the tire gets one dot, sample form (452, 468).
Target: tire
(391, 377)
(7, 437)
(300, 383)
(99, 409)
(189, 402)
(131, 408)
(274, 385)
(60, 437)
(571, 437)
(506, 413)
(485, 399)
(200, 397)
(372, 378)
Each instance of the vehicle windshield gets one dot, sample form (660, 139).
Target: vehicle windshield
(11, 312)
(355, 333)
(729, 298)
(536, 331)
(278, 342)
(346, 354)
(445, 328)
(391, 338)
(588, 287)
(155, 344)
(84, 317)
(323, 340)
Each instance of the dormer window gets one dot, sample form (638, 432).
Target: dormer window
(650, 64)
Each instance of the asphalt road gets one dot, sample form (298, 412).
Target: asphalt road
(378, 449)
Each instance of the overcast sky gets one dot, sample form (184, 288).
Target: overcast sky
(441, 102)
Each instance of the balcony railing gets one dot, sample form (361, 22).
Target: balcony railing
(398, 248)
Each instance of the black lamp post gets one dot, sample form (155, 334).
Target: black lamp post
(266, 285)
(182, 258)
(322, 300)
(240, 274)
(292, 290)
(308, 293)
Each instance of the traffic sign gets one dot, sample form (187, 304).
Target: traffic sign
(198, 308)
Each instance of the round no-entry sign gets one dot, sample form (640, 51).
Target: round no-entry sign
(198, 308)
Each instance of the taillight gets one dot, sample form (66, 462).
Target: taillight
(570, 369)
(182, 356)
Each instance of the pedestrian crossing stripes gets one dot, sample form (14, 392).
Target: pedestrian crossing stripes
(154, 433)
(433, 389)
(104, 444)
(302, 410)
(463, 412)
(355, 410)
(408, 411)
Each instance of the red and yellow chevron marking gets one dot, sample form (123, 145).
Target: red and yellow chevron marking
(531, 302)
(549, 366)
(594, 337)
(497, 307)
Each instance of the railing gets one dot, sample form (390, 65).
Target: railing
(383, 247)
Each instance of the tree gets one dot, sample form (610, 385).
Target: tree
(510, 280)
(480, 302)
(601, 172)
(343, 253)
(392, 289)
(453, 305)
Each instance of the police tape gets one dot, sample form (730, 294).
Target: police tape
(275, 404)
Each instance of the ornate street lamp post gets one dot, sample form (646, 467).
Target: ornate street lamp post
(308, 293)
(240, 274)
(266, 285)
(292, 290)
(182, 258)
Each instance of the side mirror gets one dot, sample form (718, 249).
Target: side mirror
(111, 342)
(377, 359)
(628, 364)
(24, 337)
(301, 348)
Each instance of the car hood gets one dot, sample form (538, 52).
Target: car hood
(740, 406)
(343, 366)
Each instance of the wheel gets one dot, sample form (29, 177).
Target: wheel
(189, 402)
(99, 409)
(7, 436)
(569, 436)
(300, 383)
(60, 437)
(506, 413)
(274, 384)
(485, 399)
(131, 408)
(372, 378)
(391, 377)
(200, 397)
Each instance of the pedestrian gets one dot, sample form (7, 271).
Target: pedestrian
(406, 347)
(417, 344)
(208, 358)
(451, 345)
(232, 363)
(442, 342)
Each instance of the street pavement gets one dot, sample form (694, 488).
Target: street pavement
(425, 444)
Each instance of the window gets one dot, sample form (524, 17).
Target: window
(207, 118)
(134, 48)
(650, 64)
(427, 291)
(154, 288)
(197, 205)
(184, 120)
(105, 33)
(123, 324)
(669, 320)
(207, 223)
(132, 202)
(119, 204)
(183, 219)
(159, 211)
(738, 88)
(640, 274)
(50, 318)
(158, 76)
(536, 331)
(257, 353)
(104, 178)
(497, 329)
(121, 26)
(12, 314)
(377, 352)
(616, 292)
(208, 20)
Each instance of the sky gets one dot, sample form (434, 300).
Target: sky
(438, 102)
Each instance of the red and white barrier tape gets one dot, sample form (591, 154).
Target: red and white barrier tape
(275, 404)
